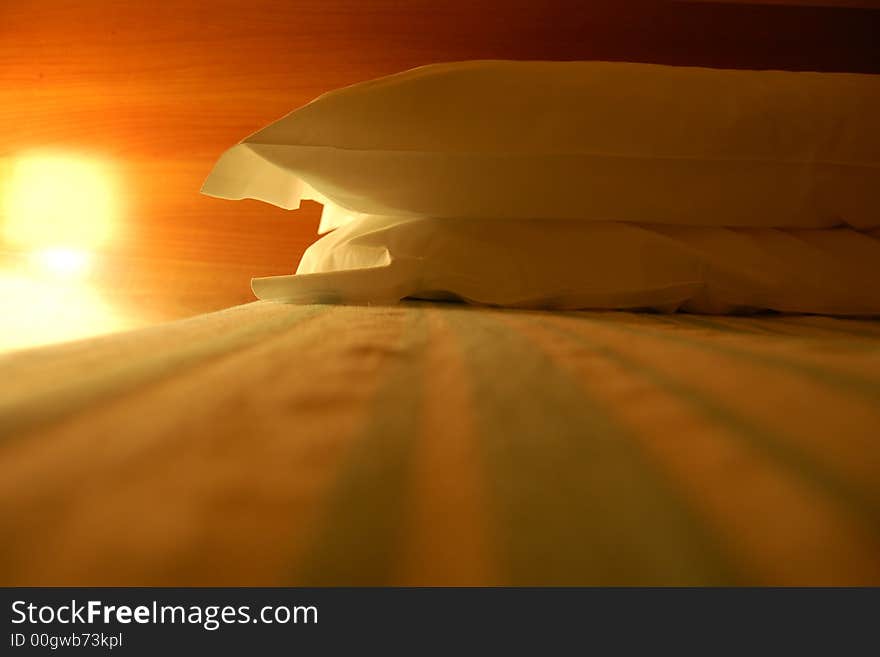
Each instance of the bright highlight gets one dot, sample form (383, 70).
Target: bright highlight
(59, 201)
(61, 262)
(35, 311)
(56, 209)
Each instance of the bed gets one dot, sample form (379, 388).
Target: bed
(432, 443)
(439, 444)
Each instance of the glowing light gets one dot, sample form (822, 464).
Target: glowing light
(61, 262)
(59, 201)
(36, 312)
(55, 210)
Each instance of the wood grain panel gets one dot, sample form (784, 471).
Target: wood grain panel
(161, 89)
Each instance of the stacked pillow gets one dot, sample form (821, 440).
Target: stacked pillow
(581, 184)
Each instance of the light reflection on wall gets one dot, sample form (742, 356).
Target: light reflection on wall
(59, 200)
(38, 311)
(56, 210)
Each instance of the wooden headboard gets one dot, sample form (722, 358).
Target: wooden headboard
(160, 89)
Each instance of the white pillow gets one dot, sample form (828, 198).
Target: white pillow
(570, 265)
(577, 140)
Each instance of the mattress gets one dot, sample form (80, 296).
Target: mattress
(435, 444)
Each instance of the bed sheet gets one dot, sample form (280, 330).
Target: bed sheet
(434, 444)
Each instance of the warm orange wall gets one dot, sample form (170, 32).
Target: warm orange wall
(870, 4)
(161, 88)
